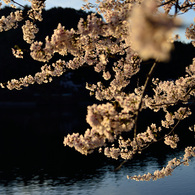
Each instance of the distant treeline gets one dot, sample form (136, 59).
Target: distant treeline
(11, 67)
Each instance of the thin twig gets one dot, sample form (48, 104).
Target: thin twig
(143, 93)
(17, 3)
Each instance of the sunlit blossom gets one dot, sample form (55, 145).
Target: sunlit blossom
(116, 45)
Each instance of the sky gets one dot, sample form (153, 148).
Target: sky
(187, 18)
(77, 4)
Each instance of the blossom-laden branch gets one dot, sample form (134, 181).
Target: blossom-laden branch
(115, 45)
(11, 21)
(166, 171)
(45, 76)
(142, 95)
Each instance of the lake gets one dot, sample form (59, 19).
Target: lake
(35, 162)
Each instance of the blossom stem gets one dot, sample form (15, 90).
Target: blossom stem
(142, 95)
(17, 3)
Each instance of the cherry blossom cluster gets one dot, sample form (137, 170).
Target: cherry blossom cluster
(166, 171)
(45, 76)
(9, 22)
(153, 43)
(180, 114)
(171, 92)
(18, 53)
(172, 140)
(29, 31)
(190, 32)
(128, 148)
(35, 12)
(106, 125)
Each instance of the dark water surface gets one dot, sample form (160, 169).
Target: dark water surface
(34, 160)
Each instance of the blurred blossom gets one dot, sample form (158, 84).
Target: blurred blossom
(150, 31)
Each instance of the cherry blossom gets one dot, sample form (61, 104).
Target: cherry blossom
(116, 45)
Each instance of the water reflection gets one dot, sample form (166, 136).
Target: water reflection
(104, 181)
(34, 160)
